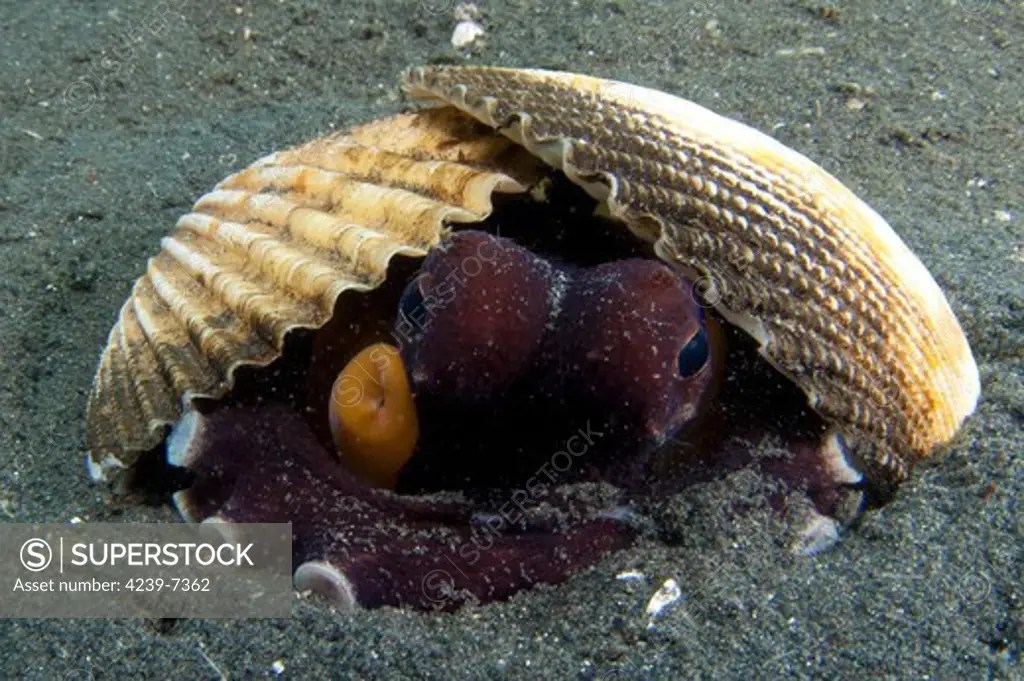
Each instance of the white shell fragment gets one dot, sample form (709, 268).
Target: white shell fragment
(466, 33)
(668, 594)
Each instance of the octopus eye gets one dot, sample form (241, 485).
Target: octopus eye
(694, 354)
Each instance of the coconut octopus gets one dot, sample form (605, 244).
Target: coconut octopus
(645, 295)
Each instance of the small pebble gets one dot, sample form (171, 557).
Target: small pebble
(466, 33)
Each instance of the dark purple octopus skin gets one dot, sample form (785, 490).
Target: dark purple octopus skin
(361, 546)
(528, 375)
(526, 353)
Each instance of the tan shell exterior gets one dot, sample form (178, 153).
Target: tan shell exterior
(837, 301)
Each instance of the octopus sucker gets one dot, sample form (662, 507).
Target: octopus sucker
(451, 346)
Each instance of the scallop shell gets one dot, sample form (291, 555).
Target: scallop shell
(836, 300)
(271, 249)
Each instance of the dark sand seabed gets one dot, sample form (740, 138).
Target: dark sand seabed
(918, 106)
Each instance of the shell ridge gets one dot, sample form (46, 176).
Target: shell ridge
(394, 169)
(123, 387)
(154, 398)
(157, 327)
(177, 287)
(261, 256)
